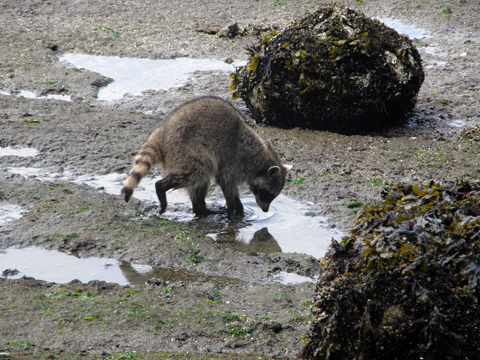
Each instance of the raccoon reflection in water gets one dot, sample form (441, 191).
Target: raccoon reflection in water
(208, 138)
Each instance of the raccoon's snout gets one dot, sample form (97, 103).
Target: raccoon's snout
(264, 205)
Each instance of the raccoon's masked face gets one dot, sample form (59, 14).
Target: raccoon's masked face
(267, 186)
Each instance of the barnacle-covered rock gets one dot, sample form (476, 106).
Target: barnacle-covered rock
(406, 283)
(231, 31)
(471, 132)
(335, 69)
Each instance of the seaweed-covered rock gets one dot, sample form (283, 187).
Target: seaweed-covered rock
(405, 284)
(335, 69)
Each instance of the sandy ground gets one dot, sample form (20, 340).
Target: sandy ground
(232, 309)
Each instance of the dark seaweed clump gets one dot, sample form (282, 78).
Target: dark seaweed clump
(405, 284)
(335, 69)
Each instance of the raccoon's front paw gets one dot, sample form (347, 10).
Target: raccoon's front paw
(236, 215)
(235, 218)
(239, 213)
(205, 212)
(238, 207)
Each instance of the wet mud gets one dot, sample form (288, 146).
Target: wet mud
(225, 300)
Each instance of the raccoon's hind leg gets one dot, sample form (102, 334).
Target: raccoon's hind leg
(170, 181)
(197, 195)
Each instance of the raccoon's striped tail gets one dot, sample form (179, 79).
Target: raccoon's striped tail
(144, 160)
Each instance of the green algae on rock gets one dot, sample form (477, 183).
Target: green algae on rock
(406, 283)
(335, 69)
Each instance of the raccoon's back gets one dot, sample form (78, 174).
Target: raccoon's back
(206, 124)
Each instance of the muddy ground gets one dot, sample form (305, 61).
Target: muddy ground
(231, 307)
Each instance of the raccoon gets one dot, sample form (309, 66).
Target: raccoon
(208, 138)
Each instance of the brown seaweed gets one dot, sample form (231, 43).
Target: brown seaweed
(405, 283)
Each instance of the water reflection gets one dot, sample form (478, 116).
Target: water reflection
(289, 226)
(262, 241)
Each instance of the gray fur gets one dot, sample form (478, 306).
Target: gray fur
(208, 138)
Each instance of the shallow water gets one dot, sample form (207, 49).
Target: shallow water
(32, 95)
(429, 63)
(58, 267)
(409, 30)
(55, 266)
(457, 123)
(133, 75)
(18, 151)
(10, 212)
(289, 225)
(291, 278)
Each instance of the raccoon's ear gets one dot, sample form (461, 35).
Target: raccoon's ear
(273, 170)
(287, 168)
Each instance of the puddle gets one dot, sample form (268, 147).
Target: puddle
(110, 183)
(10, 212)
(429, 64)
(18, 151)
(32, 95)
(55, 266)
(286, 278)
(409, 30)
(428, 49)
(457, 123)
(289, 226)
(59, 267)
(133, 75)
